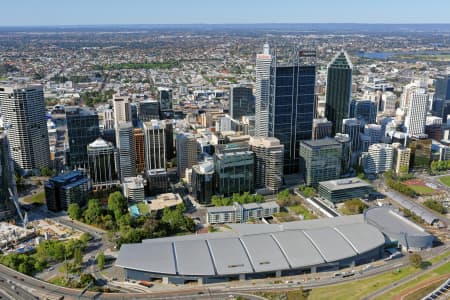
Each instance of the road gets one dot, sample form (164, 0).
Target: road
(393, 285)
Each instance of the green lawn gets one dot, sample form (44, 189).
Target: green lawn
(143, 208)
(301, 210)
(445, 180)
(38, 198)
(422, 190)
(444, 269)
(357, 289)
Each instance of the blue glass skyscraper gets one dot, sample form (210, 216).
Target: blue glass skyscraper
(291, 103)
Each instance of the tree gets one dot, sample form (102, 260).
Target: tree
(415, 260)
(77, 256)
(436, 206)
(46, 171)
(101, 260)
(117, 204)
(354, 206)
(93, 212)
(74, 211)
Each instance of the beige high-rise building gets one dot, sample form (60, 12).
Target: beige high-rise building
(401, 159)
(269, 155)
(122, 110)
(186, 152)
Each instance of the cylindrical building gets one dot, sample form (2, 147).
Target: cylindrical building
(102, 160)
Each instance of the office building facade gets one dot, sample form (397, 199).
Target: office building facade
(126, 149)
(353, 127)
(402, 157)
(23, 110)
(122, 110)
(165, 98)
(7, 180)
(187, 155)
(291, 104)
(203, 182)
(339, 90)
(441, 100)
(82, 129)
(378, 159)
(139, 150)
(242, 101)
(103, 164)
(416, 114)
(268, 162)
(148, 110)
(234, 172)
(155, 144)
(320, 160)
(363, 110)
(263, 63)
(65, 189)
(321, 128)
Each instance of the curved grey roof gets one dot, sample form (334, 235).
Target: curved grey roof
(254, 248)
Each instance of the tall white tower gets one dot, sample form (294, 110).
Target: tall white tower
(23, 109)
(263, 62)
(416, 114)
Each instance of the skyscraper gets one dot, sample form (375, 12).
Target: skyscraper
(441, 101)
(242, 102)
(103, 164)
(186, 152)
(339, 90)
(353, 128)
(23, 110)
(291, 105)
(263, 62)
(321, 160)
(165, 98)
(378, 159)
(268, 162)
(155, 145)
(7, 208)
(82, 129)
(148, 110)
(416, 115)
(122, 109)
(139, 149)
(127, 154)
(363, 110)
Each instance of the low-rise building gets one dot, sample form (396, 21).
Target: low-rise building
(164, 200)
(337, 191)
(133, 188)
(241, 213)
(62, 190)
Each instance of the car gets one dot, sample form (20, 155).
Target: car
(51, 269)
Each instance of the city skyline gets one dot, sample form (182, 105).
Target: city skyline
(53, 13)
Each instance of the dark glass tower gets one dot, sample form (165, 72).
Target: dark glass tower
(363, 110)
(7, 208)
(242, 102)
(291, 104)
(339, 90)
(82, 129)
(441, 101)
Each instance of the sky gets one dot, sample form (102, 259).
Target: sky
(95, 12)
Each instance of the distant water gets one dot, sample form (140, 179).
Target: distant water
(387, 55)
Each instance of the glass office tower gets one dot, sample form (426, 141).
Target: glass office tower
(291, 103)
(339, 90)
